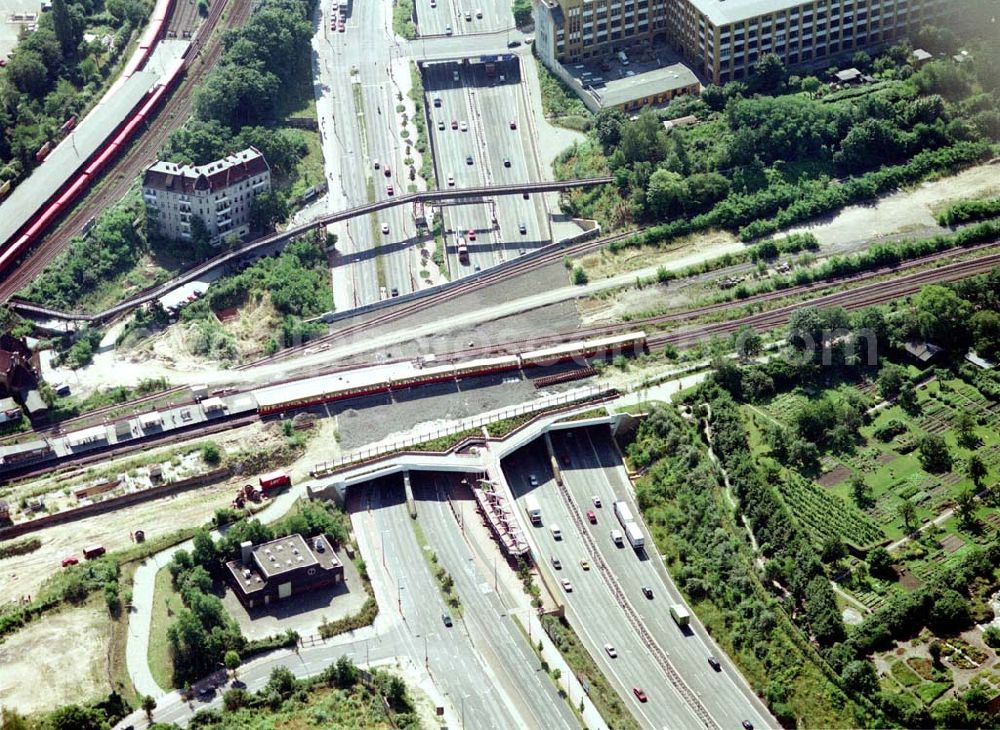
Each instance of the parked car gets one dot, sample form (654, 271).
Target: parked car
(70, 560)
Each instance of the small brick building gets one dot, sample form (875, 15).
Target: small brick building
(281, 568)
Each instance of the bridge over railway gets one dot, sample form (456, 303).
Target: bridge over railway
(450, 196)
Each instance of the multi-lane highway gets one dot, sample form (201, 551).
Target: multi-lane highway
(478, 123)
(490, 694)
(462, 17)
(486, 617)
(593, 608)
(361, 70)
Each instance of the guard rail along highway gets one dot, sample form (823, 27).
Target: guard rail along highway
(425, 197)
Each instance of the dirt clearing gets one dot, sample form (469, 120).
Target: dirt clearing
(905, 210)
(57, 660)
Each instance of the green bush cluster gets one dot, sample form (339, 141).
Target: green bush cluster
(969, 210)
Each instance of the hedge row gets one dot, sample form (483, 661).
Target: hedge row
(778, 206)
(969, 210)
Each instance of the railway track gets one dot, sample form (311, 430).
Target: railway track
(202, 55)
(558, 253)
(855, 298)
(871, 295)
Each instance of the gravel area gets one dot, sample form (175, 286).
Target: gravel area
(363, 421)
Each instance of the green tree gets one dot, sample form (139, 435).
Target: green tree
(28, 73)
(75, 717)
(211, 454)
(860, 677)
(267, 209)
(880, 561)
(933, 453)
(833, 550)
(580, 275)
(282, 681)
(68, 23)
(666, 193)
(769, 74)
(976, 470)
(204, 553)
(942, 316)
(148, 705)
(522, 12)
(810, 85)
(608, 123)
(966, 507)
(985, 326)
(965, 429)
(890, 380)
(232, 661)
(908, 513)
(950, 611)
(821, 611)
(861, 493)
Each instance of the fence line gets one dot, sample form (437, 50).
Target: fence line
(366, 454)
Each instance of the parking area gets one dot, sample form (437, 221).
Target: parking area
(637, 71)
(478, 119)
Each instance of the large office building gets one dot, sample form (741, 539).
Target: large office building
(220, 193)
(723, 39)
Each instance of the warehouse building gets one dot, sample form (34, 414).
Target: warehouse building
(220, 193)
(724, 39)
(282, 568)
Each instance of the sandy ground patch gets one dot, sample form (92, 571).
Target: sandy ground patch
(604, 263)
(908, 209)
(23, 574)
(57, 660)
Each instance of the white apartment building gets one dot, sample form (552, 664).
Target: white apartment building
(220, 193)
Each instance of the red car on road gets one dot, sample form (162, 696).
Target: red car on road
(70, 560)
(472, 235)
(591, 516)
(639, 694)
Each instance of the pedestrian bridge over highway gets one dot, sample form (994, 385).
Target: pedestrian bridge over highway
(438, 197)
(482, 461)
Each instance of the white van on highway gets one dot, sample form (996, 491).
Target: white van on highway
(556, 532)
